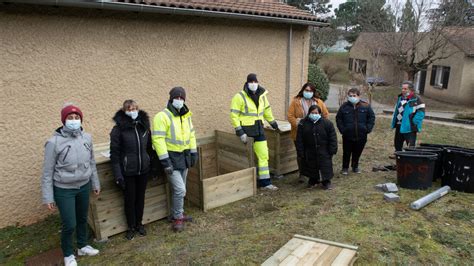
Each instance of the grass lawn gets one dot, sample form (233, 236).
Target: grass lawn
(249, 231)
(341, 61)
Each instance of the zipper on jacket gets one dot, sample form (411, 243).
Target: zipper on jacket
(67, 152)
(356, 121)
(125, 163)
(139, 152)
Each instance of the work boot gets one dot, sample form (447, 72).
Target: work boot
(186, 218)
(327, 186)
(178, 225)
(344, 171)
(141, 230)
(356, 170)
(130, 234)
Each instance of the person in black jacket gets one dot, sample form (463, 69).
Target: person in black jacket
(316, 143)
(130, 146)
(355, 119)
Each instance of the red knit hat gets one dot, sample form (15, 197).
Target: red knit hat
(69, 109)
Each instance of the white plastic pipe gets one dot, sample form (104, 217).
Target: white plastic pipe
(422, 202)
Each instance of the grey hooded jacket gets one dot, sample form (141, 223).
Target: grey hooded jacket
(68, 162)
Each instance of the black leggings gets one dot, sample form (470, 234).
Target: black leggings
(134, 199)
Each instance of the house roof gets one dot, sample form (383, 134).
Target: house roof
(462, 37)
(257, 10)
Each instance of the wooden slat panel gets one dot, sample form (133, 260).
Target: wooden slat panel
(346, 257)
(313, 255)
(290, 261)
(328, 256)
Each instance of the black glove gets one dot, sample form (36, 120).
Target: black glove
(194, 158)
(274, 125)
(120, 182)
(169, 170)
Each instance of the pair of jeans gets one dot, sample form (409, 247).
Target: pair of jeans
(177, 181)
(134, 199)
(73, 205)
(400, 138)
(354, 148)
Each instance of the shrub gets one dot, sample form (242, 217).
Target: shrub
(317, 76)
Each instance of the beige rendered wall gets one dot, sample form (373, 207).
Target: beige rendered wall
(455, 93)
(467, 85)
(98, 59)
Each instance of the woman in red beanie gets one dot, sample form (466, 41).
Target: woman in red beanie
(69, 174)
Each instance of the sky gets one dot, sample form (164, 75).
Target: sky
(335, 4)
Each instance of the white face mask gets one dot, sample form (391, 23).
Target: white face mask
(253, 86)
(132, 114)
(178, 104)
(73, 124)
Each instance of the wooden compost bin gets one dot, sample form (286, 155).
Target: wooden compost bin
(281, 149)
(225, 172)
(303, 250)
(106, 212)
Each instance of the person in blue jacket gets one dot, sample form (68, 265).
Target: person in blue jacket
(408, 116)
(355, 119)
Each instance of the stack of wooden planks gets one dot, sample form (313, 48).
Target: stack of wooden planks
(303, 250)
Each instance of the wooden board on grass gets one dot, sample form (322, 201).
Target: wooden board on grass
(303, 250)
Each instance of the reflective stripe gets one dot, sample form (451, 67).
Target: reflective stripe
(177, 142)
(190, 125)
(263, 168)
(164, 156)
(194, 150)
(235, 111)
(264, 176)
(245, 102)
(172, 129)
(158, 133)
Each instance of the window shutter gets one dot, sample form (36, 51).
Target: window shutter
(446, 71)
(433, 75)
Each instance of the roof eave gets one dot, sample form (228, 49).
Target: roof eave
(168, 10)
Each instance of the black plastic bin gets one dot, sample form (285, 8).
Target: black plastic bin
(415, 169)
(438, 170)
(459, 169)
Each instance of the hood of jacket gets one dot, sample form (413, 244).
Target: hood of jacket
(124, 121)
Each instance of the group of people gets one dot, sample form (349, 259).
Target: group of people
(70, 174)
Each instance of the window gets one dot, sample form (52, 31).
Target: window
(351, 60)
(360, 66)
(440, 76)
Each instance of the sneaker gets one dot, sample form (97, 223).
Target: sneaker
(70, 261)
(344, 171)
(327, 186)
(87, 250)
(141, 230)
(130, 234)
(186, 218)
(270, 187)
(356, 170)
(178, 225)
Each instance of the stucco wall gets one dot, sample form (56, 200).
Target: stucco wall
(460, 85)
(97, 59)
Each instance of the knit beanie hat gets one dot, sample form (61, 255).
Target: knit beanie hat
(69, 109)
(252, 78)
(177, 91)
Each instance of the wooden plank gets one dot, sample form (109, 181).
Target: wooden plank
(346, 257)
(332, 243)
(303, 249)
(241, 159)
(286, 250)
(313, 255)
(328, 256)
(290, 261)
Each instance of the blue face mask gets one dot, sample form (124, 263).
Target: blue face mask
(132, 114)
(314, 117)
(73, 124)
(178, 104)
(308, 94)
(353, 100)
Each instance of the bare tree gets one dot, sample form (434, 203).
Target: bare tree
(321, 41)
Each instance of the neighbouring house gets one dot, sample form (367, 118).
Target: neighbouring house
(99, 53)
(449, 80)
(452, 79)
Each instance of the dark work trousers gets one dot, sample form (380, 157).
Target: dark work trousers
(354, 148)
(134, 198)
(73, 205)
(400, 138)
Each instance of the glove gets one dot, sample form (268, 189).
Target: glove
(243, 138)
(169, 170)
(120, 182)
(194, 159)
(274, 125)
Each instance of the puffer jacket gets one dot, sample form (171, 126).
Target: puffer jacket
(130, 145)
(355, 122)
(68, 163)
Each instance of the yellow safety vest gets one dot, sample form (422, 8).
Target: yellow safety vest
(243, 111)
(172, 133)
